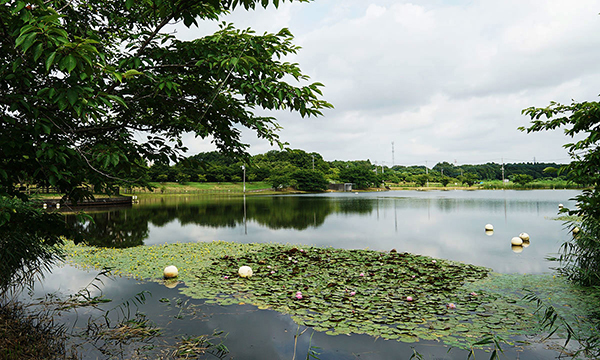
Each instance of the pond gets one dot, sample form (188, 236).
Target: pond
(441, 224)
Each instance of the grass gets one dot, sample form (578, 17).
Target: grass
(30, 336)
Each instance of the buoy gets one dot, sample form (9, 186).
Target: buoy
(489, 232)
(524, 236)
(245, 271)
(576, 230)
(170, 272)
(517, 241)
(58, 206)
(45, 206)
(560, 206)
(489, 227)
(516, 248)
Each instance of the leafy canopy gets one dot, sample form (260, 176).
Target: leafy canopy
(580, 257)
(91, 91)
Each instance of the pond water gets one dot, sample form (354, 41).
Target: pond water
(444, 224)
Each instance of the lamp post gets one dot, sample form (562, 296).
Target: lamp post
(244, 168)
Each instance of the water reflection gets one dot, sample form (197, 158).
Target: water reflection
(447, 224)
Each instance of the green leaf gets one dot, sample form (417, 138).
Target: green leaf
(50, 60)
(69, 62)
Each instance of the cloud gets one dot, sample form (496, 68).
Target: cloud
(441, 79)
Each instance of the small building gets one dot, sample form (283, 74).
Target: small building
(341, 187)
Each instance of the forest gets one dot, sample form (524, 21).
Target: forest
(309, 171)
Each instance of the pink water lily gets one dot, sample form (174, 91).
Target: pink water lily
(362, 274)
(409, 298)
(225, 277)
(473, 294)
(451, 306)
(353, 293)
(298, 296)
(433, 261)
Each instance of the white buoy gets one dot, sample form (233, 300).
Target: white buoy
(517, 241)
(560, 206)
(45, 206)
(524, 236)
(576, 230)
(170, 272)
(245, 271)
(489, 227)
(58, 206)
(516, 249)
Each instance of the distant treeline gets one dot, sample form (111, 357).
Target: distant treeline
(298, 168)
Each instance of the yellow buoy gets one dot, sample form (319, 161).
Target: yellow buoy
(516, 241)
(524, 236)
(489, 227)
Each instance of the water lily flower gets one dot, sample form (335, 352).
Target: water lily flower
(353, 293)
(433, 261)
(289, 258)
(414, 276)
(301, 250)
(273, 272)
(225, 277)
(473, 294)
(451, 306)
(362, 274)
(268, 266)
(409, 298)
(298, 296)
(295, 261)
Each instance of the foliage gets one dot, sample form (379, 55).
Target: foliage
(335, 299)
(30, 242)
(468, 178)
(445, 180)
(421, 180)
(362, 177)
(309, 180)
(580, 256)
(79, 80)
(522, 179)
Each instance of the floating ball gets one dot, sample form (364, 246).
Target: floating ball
(524, 236)
(245, 271)
(489, 227)
(576, 230)
(516, 241)
(170, 272)
(560, 206)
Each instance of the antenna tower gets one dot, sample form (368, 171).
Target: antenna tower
(393, 154)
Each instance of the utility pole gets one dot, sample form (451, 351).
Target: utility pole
(427, 173)
(313, 162)
(502, 171)
(393, 154)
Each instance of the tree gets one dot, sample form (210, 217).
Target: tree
(360, 176)
(79, 81)
(445, 180)
(468, 178)
(522, 179)
(421, 180)
(580, 257)
(309, 180)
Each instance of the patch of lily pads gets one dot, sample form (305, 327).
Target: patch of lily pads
(383, 294)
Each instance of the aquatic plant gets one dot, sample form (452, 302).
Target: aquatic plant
(323, 288)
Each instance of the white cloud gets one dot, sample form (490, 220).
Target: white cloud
(443, 80)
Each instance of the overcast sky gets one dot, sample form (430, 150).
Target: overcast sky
(445, 80)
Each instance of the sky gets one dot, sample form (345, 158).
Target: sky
(443, 80)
